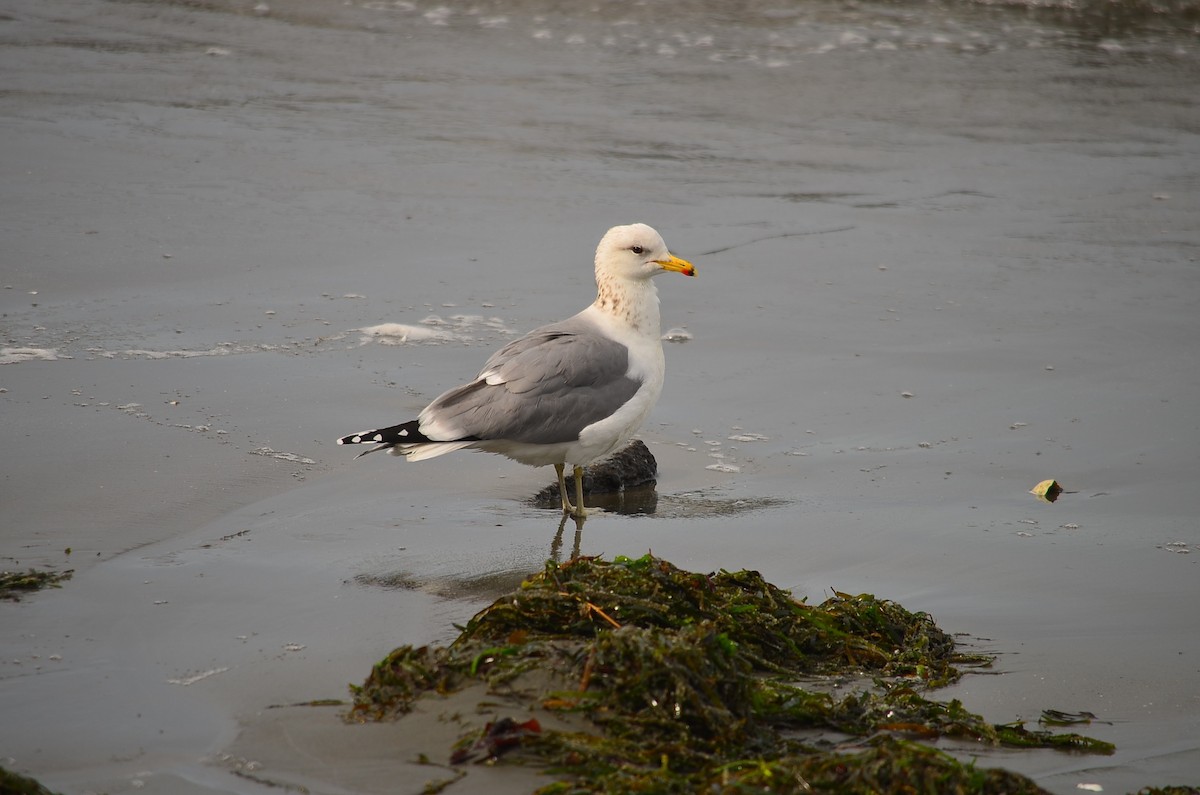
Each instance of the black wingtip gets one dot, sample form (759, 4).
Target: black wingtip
(404, 433)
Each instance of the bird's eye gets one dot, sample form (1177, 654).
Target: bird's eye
(637, 249)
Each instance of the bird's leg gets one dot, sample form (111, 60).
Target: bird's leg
(580, 511)
(562, 490)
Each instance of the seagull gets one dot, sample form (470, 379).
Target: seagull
(567, 393)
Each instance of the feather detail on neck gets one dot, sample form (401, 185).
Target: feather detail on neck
(632, 303)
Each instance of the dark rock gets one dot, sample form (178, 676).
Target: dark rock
(630, 467)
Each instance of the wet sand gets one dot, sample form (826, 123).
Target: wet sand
(943, 253)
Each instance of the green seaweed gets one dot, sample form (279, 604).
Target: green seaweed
(15, 784)
(13, 584)
(888, 764)
(682, 682)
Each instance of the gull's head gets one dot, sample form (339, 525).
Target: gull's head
(637, 252)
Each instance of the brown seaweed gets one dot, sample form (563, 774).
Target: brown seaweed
(682, 682)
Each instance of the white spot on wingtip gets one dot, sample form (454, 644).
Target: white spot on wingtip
(378, 437)
(404, 433)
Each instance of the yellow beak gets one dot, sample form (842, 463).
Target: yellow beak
(674, 263)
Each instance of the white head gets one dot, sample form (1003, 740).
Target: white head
(636, 252)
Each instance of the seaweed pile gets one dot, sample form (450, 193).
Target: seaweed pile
(15, 784)
(13, 584)
(684, 682)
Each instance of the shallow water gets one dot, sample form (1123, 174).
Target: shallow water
(944, 252)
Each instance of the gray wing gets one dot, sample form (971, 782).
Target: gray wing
(546, 387)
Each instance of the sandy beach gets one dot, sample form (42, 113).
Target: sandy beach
(944, 253)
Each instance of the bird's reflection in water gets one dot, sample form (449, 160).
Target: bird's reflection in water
(557, 543)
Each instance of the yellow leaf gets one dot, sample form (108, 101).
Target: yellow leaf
(1047, 490)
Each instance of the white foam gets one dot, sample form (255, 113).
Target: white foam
(433, 328)
(390, 5)
(142, 353)
(438, 16)
(398, 333)
(14, 355)
(193, 679)
(279, 455)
